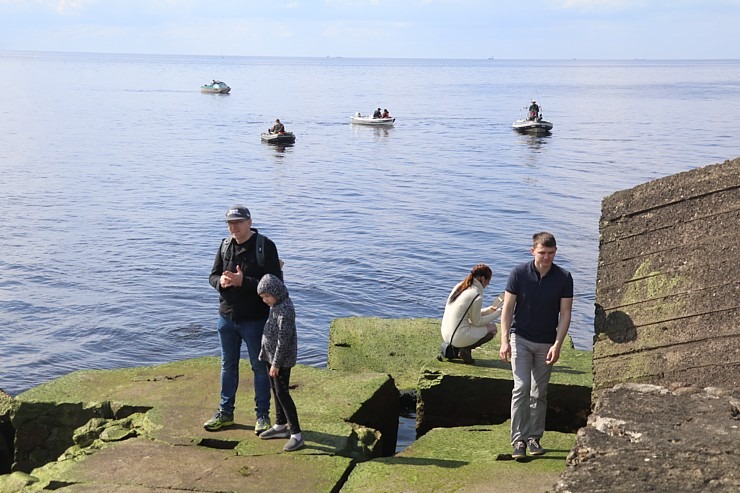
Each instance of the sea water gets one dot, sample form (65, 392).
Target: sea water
(115, 172)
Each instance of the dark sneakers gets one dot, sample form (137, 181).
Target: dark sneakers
(520, 450)
(533, 444)
(467, 356)
(218, 421)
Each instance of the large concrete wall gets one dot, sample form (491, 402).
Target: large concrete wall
(668, 282)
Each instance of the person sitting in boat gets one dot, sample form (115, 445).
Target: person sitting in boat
(534, 110)
(377, 114)
(386, 114)
(278, 128)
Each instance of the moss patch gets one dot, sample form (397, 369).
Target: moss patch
(463, 459)
(149, 419)
(399, 347)
(405, 347)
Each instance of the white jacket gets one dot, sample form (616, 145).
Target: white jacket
(468, 308)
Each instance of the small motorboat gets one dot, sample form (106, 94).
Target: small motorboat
(216, 87)
(358, 119)
(537, 126)
(278, 137)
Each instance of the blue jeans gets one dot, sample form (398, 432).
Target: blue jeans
(529, 397)
(231, 334)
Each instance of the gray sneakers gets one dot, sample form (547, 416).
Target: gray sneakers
(293, 444)
(273, 433)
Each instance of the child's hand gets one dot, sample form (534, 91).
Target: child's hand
(274, 371)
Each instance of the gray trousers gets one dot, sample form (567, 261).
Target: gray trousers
(529, 397)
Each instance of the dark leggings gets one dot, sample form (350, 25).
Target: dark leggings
(482, 341)
(285, 411)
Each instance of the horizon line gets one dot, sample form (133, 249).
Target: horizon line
(493, 59)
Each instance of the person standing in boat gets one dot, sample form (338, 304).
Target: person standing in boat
(534, 110)
(277, 128)
(465, 323)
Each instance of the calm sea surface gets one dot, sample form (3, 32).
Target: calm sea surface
(115, 172)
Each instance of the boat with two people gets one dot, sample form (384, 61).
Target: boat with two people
(534, 123)
(277, 134)
(379, 118)
(216, 87)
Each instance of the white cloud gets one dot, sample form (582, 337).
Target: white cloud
(65, 7)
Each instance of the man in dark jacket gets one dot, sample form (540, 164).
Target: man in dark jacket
(236, 273)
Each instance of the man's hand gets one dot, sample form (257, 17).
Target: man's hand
(232, 279)
(553, 355)
(505, 351)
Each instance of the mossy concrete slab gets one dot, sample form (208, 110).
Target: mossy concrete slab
(354, 415)
(451, 393)
(149, 465)
(399, 347)
(465, 459)
(7, 434)
(402, 347)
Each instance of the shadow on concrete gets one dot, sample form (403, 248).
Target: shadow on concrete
(617, 326)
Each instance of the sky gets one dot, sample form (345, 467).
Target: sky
(467, 29)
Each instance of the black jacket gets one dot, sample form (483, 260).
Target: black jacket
(243, 303)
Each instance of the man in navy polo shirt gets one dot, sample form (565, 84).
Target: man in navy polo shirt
(534, 322)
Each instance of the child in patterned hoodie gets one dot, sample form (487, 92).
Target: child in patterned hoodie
(279, 350)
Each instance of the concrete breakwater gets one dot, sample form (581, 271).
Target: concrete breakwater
(667, 345)
(91, 430)
(664, 416)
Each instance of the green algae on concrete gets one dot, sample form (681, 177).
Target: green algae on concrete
(398, 347)
(150, 465)
(158, 411)
(451, 393)
(463, 459)
(402, 347)
(321, 396)
(573, 367)
(7, 434)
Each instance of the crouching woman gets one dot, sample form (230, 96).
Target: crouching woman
(465, 323)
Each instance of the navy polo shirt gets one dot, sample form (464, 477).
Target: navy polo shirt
(537, 308)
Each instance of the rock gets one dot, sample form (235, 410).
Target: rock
(652, 438)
